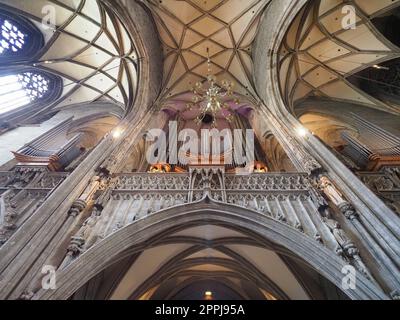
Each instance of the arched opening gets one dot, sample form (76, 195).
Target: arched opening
(188, 244)
(29, 88)
(186, 264)
(20, 39)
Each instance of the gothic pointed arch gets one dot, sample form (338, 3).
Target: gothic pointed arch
(20, 39)
(147, 232)
(27, 90)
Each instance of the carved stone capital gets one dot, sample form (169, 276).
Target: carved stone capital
(350, 249)
(77, 207)
(76, 246)
(395, 295)
(27, 295)
(348, 211)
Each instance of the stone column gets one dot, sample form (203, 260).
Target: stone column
(115, 161)
(296, 152)
(370, 230)
(390, 275)
(24, 255)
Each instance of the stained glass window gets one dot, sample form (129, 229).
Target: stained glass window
(20, 38)
(11, 39)
(20, 44)
(21, 89)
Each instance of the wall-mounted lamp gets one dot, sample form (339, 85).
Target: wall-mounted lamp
(117, 133)
(208, 295)
(376, 66)
(302, 132)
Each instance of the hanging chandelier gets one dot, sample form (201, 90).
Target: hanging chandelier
(210, 97)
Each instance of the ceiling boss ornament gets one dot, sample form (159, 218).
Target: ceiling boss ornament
(211, 98)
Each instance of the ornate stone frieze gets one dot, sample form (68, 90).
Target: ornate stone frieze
(152, 182)
(207, 181)
(288, 198)
(269, 182)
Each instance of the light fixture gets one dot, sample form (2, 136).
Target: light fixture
(260, 167)
(302, 132)
(160, 168)
(380, 67)
(208, 295)
(117, 133)
(210, 97)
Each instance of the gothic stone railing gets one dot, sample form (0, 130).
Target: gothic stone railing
(287, 198)
(284, 197)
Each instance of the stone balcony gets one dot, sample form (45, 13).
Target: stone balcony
(285, 197)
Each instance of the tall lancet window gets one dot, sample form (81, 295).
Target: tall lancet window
(11, 39)
(20, 44)
(20, 39)
(18, 90)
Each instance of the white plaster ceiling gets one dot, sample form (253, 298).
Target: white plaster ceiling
(89, 49)
(318, 55)
(269, 263)
(188, 27)
(144, 267)
(261, 259)
(207, 233)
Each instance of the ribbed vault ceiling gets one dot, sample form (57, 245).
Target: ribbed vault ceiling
(210, 252)
(92, 52)
(89, 49)
(188, 27)
(318, 55)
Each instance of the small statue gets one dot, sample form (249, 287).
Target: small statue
(27, 295)
(337, 232)
(331, 191)
(89, 224)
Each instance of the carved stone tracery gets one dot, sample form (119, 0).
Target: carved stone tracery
(385, 184)
(288, 198)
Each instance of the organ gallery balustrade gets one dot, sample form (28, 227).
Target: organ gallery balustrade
(288, 198)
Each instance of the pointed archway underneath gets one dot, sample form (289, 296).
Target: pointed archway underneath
(249, 231)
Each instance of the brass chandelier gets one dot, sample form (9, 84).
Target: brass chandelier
(210, 97)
